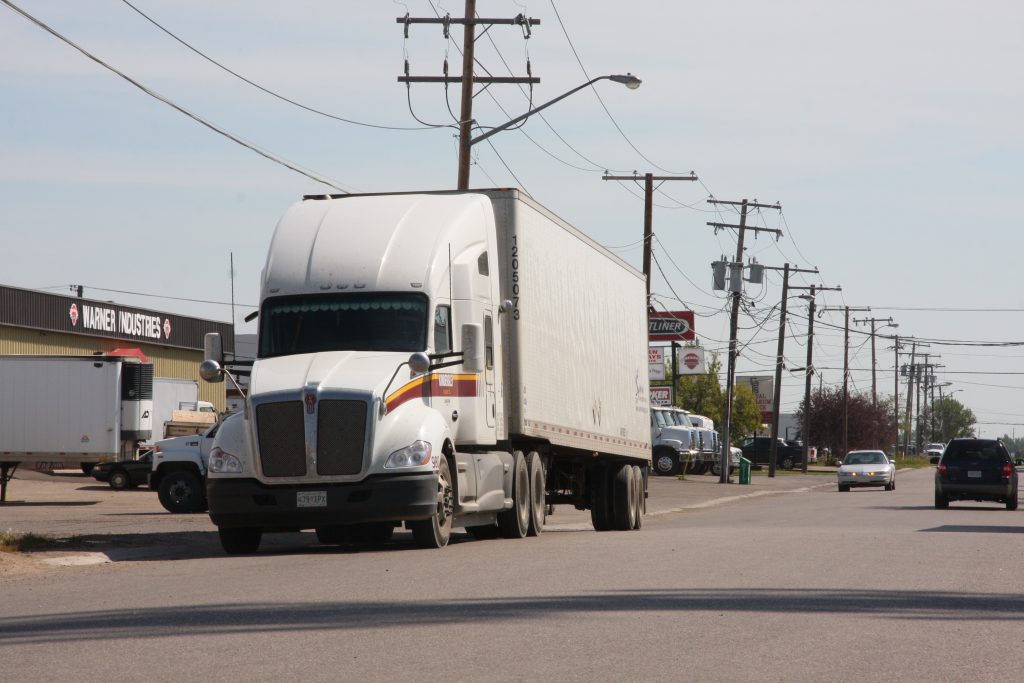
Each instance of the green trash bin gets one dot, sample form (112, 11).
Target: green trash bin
(744, 471)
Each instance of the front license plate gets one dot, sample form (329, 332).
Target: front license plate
(974, 474)
(311, 499)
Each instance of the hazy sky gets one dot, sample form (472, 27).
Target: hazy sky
(891, 132)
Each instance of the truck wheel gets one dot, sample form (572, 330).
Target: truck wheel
(641, 500)
(716, 467)
(182, 492)
(600, 499)
(369, 533)
(240, 541)
(118, 480)
(436, 531)
(538, 494)
(666, 462)
(515, 523)
(788, 462)
(623, 498)
(331, 535)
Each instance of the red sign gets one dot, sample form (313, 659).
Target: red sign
(670, 326)
(691, 360)
(73, 314)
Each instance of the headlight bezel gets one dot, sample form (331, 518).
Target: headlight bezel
(221, 462)
(416, 454)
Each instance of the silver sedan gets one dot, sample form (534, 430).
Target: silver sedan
(866, 468)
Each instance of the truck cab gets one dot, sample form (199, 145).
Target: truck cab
(179, 470)
(674, 442)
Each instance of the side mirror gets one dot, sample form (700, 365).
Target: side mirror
(934, 460)
(472, 348)
(211, 371)
(213, 348)
(419, 362)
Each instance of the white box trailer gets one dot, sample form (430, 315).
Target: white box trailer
(447, 359)
(169, 393)
(59, 411)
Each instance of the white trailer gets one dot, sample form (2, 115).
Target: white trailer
(169, 394)
(58, 411)
(438, 360)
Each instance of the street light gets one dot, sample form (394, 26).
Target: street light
(628, 80)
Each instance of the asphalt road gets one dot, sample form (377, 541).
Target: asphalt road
(809, 585)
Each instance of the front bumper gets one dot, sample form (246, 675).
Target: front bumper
(866, 480)
(237, 503)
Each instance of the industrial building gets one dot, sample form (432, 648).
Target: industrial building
(38, 323)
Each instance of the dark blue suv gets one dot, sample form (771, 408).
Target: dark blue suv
(975, 469)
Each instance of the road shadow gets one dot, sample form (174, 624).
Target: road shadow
(47, 503)
(383, 616)
(971, 528)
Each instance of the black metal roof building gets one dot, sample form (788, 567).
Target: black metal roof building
(38, 323)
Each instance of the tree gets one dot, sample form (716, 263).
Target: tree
(702, 394)
(868, 426)
(947, 419)
(746, 415)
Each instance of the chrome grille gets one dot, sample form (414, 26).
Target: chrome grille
(282, 436)
(341, 433)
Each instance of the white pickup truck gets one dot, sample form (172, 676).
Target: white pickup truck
(179, 471)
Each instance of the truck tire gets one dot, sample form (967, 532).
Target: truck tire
(182, 492)
(716, 467)
(788, 463)
(369, 533)
(437, 531)
(538, 494)
(641, 499)
(515, 523)
(624, 498)
(600, 499)
(119, 480)
(240, 541)
(666, 462)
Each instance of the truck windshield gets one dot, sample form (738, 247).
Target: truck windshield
(343, 322)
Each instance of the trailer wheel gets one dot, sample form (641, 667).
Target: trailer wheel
(538, 494)
(436, 531)
(623, 498)
(600, 499)
(641, 500)
(240, 541)
(666, 462)
(118, 480)
(515, 523)
(182, 492)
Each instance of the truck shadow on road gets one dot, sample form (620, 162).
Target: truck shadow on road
(355, 615)
(970, 528)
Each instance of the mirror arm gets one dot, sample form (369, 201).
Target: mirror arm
(384, 395)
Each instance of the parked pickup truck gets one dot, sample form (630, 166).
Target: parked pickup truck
(757, 449)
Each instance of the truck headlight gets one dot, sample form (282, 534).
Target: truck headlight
(224, 463)
(414, 455)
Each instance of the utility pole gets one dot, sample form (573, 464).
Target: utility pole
(846, 372)
(736, 284)
(911, 392)
(896, 395)
(467, 79)
(649, 188)
(874, 379)
(773, 454)
(809, 369)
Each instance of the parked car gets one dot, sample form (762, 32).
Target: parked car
(124, 474)
(866, 468)
(975, 469)
(757, 449)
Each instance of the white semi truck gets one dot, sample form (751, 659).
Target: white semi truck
(438, 360)
(72, 411)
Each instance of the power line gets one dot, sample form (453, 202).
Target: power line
(195, 117)
(267, 90)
